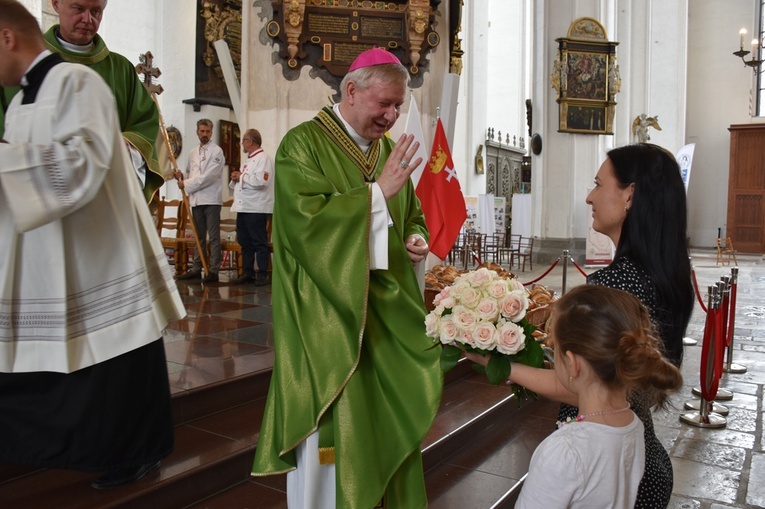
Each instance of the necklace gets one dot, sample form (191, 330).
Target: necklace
(581, 417)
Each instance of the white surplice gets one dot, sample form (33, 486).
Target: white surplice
(83, 276)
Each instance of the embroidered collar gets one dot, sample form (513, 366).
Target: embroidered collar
(333, 126)
(254, 153)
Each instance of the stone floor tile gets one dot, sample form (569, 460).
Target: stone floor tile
(719, 455)
(755, 493)
(720, 436)
(683, 503)
(697, 480)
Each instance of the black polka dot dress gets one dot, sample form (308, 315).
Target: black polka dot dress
(656, 486)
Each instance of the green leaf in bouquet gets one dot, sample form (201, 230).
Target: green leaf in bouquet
(450, 356)
(531, 355)
(528, 328)
(498, 369)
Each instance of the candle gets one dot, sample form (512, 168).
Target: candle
(742, 33)
(755, 43)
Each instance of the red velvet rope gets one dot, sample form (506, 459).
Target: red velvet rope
(719, 344)
(698, 294)
(543, 275)
(581, 271)
(708, 391)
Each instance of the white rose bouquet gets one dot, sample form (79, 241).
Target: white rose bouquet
(485, 313)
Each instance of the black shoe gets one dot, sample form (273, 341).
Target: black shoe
(243, 280)
(212, 277)
(192, 274)
(119, 476)
(262, 280)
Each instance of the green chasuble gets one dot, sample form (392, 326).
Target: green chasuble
(349, 342)
(138, 114)
(6, 94)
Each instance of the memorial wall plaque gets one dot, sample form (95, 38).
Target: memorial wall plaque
(329, 34)
(216, 20)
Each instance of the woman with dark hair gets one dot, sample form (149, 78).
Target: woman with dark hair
(651, 240)
(639, 203)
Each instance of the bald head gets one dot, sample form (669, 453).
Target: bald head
(20, 41)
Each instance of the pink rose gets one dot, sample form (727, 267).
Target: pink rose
(447, 302)
(513, 305)
(464, 318)
(470, 297)
(487, 310)
(481, 277)
(431, 325)
(514, 284)
(459, 286)
(448, 330)
(467, 338)
(442, 295)
(497, 288)
(510, 338)
(484, 336)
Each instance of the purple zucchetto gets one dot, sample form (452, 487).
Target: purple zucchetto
(374, 56)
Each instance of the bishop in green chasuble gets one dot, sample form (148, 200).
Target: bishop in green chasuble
(349, 342)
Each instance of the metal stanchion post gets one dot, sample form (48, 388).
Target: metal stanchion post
(565, 266)
(730, 367)
(689, 341)
(722, 394)
(706, 417)
(712, 406)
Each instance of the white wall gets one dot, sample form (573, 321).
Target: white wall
(719, 94)
(507, 83)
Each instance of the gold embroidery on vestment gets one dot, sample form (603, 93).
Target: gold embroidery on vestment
(367, 163)
(326, 455)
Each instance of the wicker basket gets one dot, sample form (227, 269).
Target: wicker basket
(430, 294)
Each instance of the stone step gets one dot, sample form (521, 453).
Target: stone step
(216, 435)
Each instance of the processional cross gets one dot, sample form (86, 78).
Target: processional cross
(146, 67)
(149, 72)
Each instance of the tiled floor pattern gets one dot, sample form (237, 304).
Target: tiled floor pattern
(228, 332)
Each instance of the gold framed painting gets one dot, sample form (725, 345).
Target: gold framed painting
(586, 78)
(229, 142)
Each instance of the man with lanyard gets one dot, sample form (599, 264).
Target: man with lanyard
(75, 38)
(253, 203)
(355, 386)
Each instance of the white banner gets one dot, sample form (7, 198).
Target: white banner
(414, 126)
(684, 158)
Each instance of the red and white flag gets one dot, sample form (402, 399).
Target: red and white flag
(441, 196)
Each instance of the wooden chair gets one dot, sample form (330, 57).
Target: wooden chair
(493, 245)
(456, 251)
(510, 249)
(230, 248)
(525, 251)
(473, 248)
(171, 216)
(725, 249)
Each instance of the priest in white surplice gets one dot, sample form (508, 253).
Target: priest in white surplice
(85, 289)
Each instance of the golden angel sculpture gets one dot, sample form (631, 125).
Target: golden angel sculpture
(641, 124)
